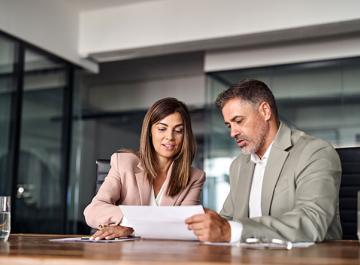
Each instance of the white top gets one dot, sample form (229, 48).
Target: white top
(154, 201)
(255, 193)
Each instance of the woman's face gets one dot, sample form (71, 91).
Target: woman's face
(167, 136)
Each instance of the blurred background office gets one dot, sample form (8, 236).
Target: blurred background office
(76, 77)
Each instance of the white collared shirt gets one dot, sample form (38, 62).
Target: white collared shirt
(257, 181)
(255, 193)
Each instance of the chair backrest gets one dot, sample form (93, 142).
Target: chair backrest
(102, 169)
(350, 185)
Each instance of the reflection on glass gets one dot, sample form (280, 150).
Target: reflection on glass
(7, 88)
(39, 198)
(358, 215)
(322, 99)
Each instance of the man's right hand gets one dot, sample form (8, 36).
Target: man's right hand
(209, 227)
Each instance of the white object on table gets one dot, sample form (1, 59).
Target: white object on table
(161, 222)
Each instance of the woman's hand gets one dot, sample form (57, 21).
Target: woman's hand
(110, 232)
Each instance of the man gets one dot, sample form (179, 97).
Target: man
(284, 184)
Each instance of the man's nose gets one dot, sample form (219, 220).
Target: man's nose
(234, 132)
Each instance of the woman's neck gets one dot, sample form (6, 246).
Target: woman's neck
(163, 166)
(162, 169)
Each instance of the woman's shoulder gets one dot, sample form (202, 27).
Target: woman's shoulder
(197, 173)
(124, 160)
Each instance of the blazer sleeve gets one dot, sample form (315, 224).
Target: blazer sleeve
(196, 183)
(103, 209)
(317, 183)
(227, 210)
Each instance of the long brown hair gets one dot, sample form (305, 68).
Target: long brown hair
(181, 169)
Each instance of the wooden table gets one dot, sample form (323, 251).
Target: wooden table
(32, 249)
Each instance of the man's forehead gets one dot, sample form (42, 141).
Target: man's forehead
(237, 105)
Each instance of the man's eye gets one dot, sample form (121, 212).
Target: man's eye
(238, 121)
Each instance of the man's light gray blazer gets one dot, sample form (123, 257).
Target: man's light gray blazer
(300, 193)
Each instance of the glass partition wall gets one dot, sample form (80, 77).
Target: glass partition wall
(320, 98)
(35, 107)
(40, 186)
(7, 90)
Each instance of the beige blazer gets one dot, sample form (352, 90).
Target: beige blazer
(299, 199)
(126, 184)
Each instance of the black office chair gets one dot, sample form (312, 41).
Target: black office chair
(102, 169)
(350, 185)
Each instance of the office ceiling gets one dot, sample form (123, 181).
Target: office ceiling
(85, 5)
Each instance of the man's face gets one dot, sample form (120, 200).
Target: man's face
(248, 125)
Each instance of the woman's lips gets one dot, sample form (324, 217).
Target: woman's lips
(169, 147)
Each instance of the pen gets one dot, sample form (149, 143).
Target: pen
(116, 238)
(90, 238)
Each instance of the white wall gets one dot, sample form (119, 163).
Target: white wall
(157, 27)
(149, 28)
(50, 25)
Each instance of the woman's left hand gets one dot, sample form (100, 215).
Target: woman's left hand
(110, 232)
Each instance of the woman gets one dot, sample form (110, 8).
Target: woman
(160, 175)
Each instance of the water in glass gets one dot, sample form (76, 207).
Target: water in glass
(5, 220)
(4, 226)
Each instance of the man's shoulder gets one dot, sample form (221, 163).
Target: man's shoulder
(308, 142)
(306, 146)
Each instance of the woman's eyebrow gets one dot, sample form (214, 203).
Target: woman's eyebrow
(180, 124)
(164, 124)
(161, 123)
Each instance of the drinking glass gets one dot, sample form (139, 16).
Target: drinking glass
(4, 218)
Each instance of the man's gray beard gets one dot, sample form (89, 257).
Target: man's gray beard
(246, 152)
(254, 149)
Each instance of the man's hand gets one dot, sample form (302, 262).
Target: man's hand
(209, 227)
(110, 232)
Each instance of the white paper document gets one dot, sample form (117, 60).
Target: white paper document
(161, 222)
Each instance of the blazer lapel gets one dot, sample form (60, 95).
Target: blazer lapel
(243, 187)
(143, 185)
(274, 166)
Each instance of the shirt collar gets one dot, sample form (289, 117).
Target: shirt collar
(256, 159)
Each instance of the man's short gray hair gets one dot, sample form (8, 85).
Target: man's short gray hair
(250, 90)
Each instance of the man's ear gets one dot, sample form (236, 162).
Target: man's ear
(265, 110)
